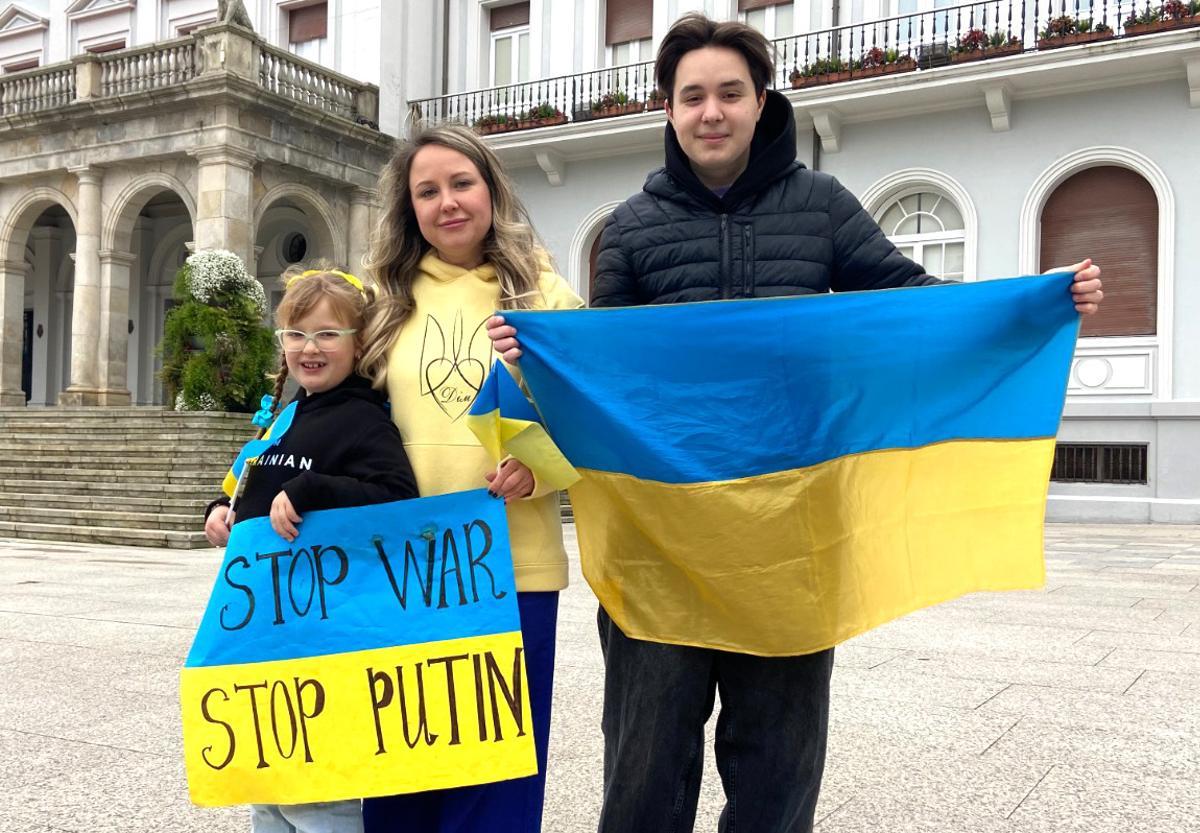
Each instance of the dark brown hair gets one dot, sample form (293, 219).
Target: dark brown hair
(695, 31)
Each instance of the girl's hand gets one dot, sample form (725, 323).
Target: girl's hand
(284, 517)
(513, 481)
(217, 525)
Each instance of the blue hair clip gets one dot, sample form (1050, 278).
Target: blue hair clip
(263, 418)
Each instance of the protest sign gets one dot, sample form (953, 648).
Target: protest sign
(378, 653)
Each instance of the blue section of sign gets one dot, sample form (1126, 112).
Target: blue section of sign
(397, 573)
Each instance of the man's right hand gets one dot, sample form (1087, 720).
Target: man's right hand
(216, 526)
(504, 339)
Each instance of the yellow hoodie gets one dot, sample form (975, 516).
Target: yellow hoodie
(435, 368)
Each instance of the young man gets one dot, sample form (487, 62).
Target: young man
(732, 215)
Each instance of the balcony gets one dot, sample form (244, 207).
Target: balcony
(916, 46)
(155, 72)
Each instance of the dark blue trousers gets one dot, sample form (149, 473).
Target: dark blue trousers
(770, 739)
(506, 806)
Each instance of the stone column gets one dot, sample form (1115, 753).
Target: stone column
(360, 228)
(224, 214)
(12, 312)
(113, 356)
(85, 315)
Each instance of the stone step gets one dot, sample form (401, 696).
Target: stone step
(28, 432)
(134, 462)
(109, 449)
(191, 505)
(97, 475)
(199, 491)
(114, 519)
(103, 535)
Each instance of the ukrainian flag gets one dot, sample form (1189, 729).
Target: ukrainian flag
(506, 423)
(254, 449)
(776, 476)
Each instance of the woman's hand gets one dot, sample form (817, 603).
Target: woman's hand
(504, 339)
(513, 481)
(217, 525)
(284, 517)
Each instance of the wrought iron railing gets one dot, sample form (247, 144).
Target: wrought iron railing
(921, 41)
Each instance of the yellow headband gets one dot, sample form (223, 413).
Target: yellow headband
(346, 276)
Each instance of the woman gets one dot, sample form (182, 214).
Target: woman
(454, 245)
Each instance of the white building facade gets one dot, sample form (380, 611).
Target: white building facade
(989, 140)
(135, 131)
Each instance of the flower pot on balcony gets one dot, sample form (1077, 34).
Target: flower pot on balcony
(1161, 25)
(986, 52)
(618, 110)
(655, 104)
(823, 78)
(544, 121)
(1073, 39)
(905, 64)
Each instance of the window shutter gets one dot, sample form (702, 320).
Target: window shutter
(626, 20)
(308, 23)
(1109, 214)
(751, 5)
(505, 17)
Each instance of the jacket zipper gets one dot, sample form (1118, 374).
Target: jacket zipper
(726, 264)
(748, 261)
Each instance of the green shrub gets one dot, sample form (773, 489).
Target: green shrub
(216, 353)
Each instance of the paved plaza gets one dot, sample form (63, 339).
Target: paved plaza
(1069, 709)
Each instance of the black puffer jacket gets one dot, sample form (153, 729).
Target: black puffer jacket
(781, 229)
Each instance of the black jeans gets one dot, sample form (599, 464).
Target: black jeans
(770, 740)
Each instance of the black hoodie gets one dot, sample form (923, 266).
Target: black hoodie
(341, 450)
(780, 229)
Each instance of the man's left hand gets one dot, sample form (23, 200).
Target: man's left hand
(1085, 291)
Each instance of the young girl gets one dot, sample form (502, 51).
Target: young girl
(341, 450)
(455, 245)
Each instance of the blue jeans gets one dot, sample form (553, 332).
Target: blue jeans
(770, 739)
(323, 817)
(507, 806)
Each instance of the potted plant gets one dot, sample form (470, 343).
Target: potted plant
(543, 115)
(969, 46)
(1069, 31)
(820, 71)
(877, 61)
(1173, 14)
(216, 353)
(495, 123)
(615, 103)
(657, 99)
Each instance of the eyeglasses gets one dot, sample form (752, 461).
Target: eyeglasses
(293, 341)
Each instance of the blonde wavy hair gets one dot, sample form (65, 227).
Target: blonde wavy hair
(511, 246)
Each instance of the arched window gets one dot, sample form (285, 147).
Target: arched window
(1110, 214)
(927, 227)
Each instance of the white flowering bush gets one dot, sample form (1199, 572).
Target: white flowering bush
(215, 274)
(216, 350)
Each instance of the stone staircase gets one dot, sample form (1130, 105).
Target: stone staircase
(131, 476)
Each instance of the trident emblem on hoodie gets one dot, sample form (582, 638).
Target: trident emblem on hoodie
(452, 370)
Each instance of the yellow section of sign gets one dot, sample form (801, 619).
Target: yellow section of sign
(364, 723)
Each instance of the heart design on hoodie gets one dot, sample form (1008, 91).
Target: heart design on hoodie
(453, 369)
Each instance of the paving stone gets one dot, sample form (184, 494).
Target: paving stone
(951, 719)
(1088, 800)
(1054, 674)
